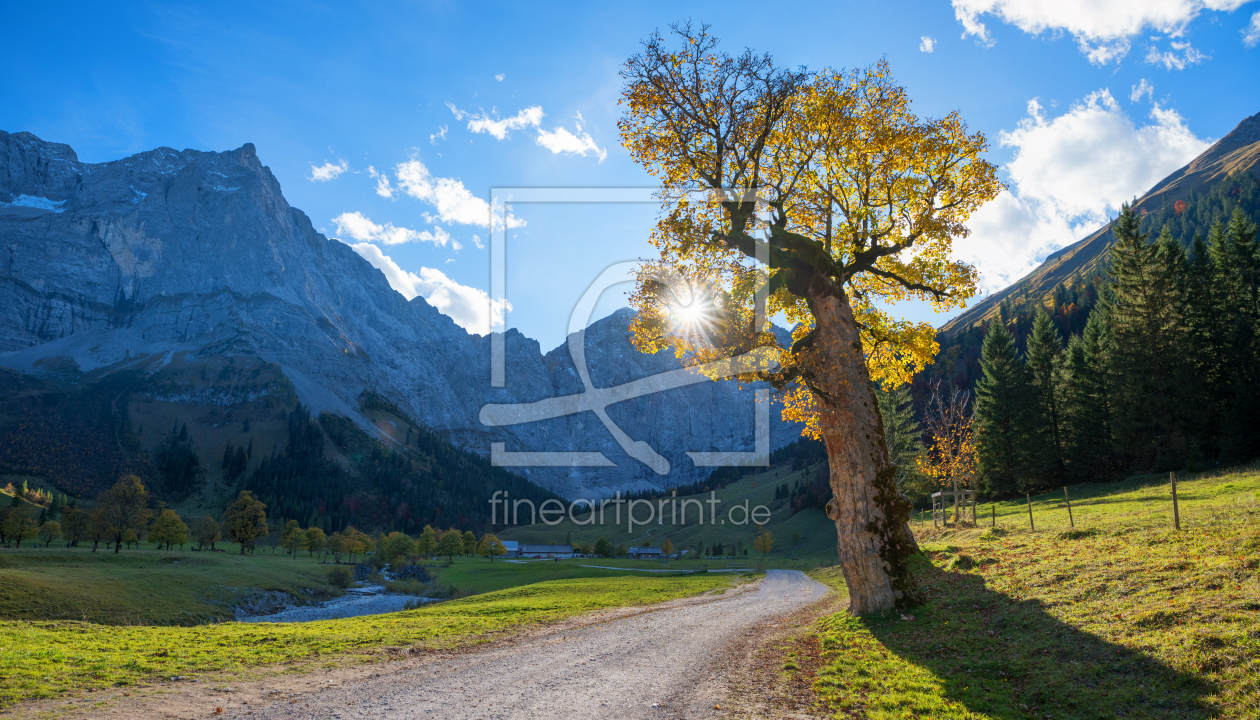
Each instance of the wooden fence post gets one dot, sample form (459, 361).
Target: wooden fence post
(1069, 504)
(1031, 524)
(994, 507)
(1176, 515)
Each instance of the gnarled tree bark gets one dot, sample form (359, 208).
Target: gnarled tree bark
(874, 540)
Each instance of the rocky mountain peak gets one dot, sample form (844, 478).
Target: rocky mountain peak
(124, 264)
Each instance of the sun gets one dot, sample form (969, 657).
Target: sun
(693, 315)
(688, 314)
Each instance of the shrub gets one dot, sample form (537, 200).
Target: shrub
(405, 587)
(339, 576)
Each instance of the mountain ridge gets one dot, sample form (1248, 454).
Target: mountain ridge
(1237, 151)
(125, 264)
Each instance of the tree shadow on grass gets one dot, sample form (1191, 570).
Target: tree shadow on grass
(1012, 659)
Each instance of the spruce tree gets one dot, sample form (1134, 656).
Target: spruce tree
(1088, 410)
(1236, 261)
(1146, 348)
(1003, 404)
(903, 436)
(1044, 354)
(1205, 338)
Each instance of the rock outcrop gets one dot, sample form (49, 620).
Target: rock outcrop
(115, 264)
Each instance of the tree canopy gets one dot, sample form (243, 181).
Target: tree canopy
(848, 189)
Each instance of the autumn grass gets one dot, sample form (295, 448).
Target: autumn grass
(1121, 616)
(42, 659)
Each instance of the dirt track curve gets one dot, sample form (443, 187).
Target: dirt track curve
(677, 659)
(666, 662)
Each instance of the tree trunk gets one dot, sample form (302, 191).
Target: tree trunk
(874, 540)
(956, 502)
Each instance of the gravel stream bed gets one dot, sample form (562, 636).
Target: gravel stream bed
(369, 600)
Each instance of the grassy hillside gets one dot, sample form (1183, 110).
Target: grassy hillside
(1120, 617)
(53, 658)
(147, 587)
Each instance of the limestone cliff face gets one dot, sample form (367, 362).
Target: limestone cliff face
(185, 251)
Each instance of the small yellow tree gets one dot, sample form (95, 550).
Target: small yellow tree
(951, 457)
(168, 529)
(206, 532)
(764, 542)
(491, 547)
(122, 510)
(451, 544)
(315, 540)
(427, 542)
(245, 519)
(293, 538)
(667, 547)
(49, 531)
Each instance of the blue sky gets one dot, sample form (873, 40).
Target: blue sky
(1087, 103)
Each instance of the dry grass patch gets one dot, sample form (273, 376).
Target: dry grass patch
(1119, 617)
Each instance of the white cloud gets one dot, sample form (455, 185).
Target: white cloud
(469, 307)
(561, 140)
(500, 128)
(1251, 33)
(1069, 175)
(1181, 56)
(1142, 88)
(453, 201)
(439, 135)
(500, 77)
(328, 171)
(557, 141)
(362, 229)
(1102, 28)
(477, 242)
(926, 44)
(383, 187)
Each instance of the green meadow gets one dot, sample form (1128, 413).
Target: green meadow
(50, 658)
(1120, 616)
(147, 587)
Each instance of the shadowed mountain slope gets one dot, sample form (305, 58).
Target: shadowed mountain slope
(1236, 153)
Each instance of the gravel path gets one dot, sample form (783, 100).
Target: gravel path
(667, 662)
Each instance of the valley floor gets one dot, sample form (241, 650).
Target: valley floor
(668, 660)
(1108, 612)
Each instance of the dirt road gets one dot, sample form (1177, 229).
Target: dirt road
(663, 663)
